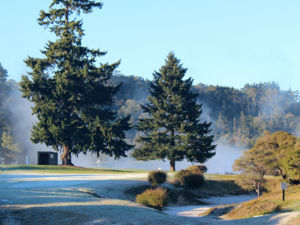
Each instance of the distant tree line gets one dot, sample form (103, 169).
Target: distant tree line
(242, 115)
(238, 116)
(10, 150)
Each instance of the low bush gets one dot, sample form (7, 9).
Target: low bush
(198, 169)
(179, 176)
(193, 180)
(190, 178)
(155, 198)
(157, 177)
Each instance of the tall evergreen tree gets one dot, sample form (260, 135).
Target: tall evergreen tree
(173, 129)
(71, 95)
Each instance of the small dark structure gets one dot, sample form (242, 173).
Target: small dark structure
(47, 158)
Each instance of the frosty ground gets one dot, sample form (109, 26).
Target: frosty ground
(99, 199)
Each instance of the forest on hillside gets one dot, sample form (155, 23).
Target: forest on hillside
(238, 116)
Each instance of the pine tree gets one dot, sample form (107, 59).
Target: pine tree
(71, 95)
(173, 129)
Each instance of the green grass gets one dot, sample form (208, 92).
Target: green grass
(44, 169)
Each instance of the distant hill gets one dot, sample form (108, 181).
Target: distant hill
(238, 116)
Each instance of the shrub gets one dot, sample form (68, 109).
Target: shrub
(198, 169)
(157, 177)
(193, 180)
(155, 198)
(190, 179)
(180, 175)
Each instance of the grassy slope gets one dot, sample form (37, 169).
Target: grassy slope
(218, 185)
(269, 202)
(214, 185)
(41, 169)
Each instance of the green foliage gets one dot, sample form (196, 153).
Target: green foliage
(192, 177)
(282, 153)
(172, 130)
(241, 115)
(272, 153)
(252, 167)
(9, 148)
(157, 177)
(155, 198)
(71, 95)
(193, 180)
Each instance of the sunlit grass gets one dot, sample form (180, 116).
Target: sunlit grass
(268, 203)
(58, 169)
(220, 176)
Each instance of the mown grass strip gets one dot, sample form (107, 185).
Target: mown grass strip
(62, 170)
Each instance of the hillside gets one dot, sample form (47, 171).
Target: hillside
(238, 116)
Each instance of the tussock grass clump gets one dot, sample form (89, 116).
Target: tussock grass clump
(157, 177)
(198, 169)
(155, 198)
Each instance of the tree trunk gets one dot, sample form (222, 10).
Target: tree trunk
(66, 156)
(281, 173)
(258, 190)
(172, 162)
(172, 165)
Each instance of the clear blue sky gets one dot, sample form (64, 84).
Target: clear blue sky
(221, 42)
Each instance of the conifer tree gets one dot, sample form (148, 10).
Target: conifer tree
(173, 129)
(71, 95)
